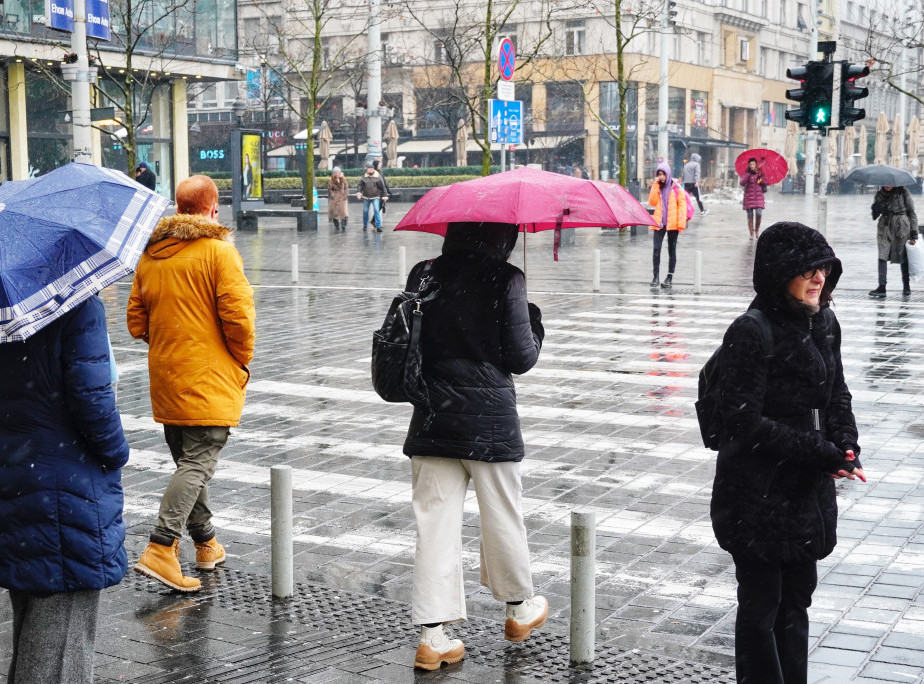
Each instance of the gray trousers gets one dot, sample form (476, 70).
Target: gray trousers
(53, 637)
(195, 451)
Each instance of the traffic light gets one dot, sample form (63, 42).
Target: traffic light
(814, 96)
(800, 115)
(850, 92)
(671, 12)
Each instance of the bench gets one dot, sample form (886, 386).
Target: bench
(248, 219)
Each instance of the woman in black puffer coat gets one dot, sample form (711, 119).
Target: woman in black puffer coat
(789, 432)
(476, 333)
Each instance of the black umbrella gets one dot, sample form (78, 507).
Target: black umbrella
(878, 174)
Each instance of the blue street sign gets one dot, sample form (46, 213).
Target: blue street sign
(59, 15)
(506, 58)
(98, 19)
(506, 122)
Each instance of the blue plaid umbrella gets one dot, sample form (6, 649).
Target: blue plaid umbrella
(64, 237)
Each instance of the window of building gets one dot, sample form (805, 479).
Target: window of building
(764, 8)
(564, 105)
(575, 34)
(763, 62)
(779, 114)
(783, 12)
(703, 46)
(209, 96)
(609, 103)
(676, 105)
(744, 49)
(851, 8)
(251, 31)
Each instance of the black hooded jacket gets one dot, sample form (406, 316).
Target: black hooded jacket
(476, 333)
(773, 497)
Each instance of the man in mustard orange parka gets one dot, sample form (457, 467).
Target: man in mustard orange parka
(192, 304)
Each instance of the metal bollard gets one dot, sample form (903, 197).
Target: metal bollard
(583, 571)
(823, 215)
(402, 266)
(596, 270)
(294, 263)
(697, 272)
(281, 530)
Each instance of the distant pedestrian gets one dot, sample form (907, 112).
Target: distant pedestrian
(670, 213)
(145, 176)
(192, 304)
(371, 190)
(338, 195)
(898, 224)
(478, 331)
(377, 165)
(789, 432)
(692, 172)
(61, 451)
(753, 202)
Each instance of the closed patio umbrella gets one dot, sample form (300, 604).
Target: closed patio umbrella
(324, 137)
(914, 142)
(850, 144)
(863, 146)
(881, 148)
(897, 148)
(391, 143)
(462, 144)
(791, 146)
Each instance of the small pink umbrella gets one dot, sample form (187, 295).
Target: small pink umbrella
(533, 199)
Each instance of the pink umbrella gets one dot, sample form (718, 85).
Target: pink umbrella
(533, 199)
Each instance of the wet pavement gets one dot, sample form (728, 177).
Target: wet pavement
(609, 425)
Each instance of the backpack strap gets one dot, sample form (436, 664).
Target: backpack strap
(766, 332)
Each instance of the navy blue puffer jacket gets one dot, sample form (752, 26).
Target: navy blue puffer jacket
(476, 333)
(61, 450)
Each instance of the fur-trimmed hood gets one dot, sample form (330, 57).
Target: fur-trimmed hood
(173, 231)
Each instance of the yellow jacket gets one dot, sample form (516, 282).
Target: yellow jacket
(192, 304)
(676, 207)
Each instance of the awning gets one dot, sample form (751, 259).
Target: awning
(690, 141)
(284, 151)
(424, 146)
(303, 135)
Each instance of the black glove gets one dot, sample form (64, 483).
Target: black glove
(834, 459)
(877, 210)
(535, 322)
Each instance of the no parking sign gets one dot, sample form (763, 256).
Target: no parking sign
(506, 59)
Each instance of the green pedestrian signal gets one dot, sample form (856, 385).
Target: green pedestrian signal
(822, 116)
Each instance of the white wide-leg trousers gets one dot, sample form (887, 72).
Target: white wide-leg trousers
(439, 486)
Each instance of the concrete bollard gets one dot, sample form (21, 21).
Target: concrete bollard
(402, 266)
(823, 215)
(697, 272)
(583, 571)
(281, 530)
(294, 263)
(596, 270)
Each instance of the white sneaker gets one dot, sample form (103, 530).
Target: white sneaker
(437, 647)
(524, 618)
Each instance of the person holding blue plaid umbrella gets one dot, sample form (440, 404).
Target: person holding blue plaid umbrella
(61, 441)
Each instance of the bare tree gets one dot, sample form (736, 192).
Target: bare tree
(311, 66)
(147, 36)
(625, 21)
(891, 43)
(465, 38)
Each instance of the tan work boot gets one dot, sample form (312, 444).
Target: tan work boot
(162, 563)
(522, 619)
(437, 647)
(209, 554)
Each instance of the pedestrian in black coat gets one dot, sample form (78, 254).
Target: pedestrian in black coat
(477, 332)
(789, 433)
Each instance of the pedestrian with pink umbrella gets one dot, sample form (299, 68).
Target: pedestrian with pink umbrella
(480, 330)
(758, 169)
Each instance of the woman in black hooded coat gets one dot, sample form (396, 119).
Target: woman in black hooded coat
(789, 431)
(477, 331)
